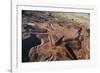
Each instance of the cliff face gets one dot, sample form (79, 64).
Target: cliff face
(62, 36)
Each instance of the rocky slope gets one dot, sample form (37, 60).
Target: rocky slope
(63, 36)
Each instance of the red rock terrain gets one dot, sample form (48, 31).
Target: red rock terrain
(66, 38)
